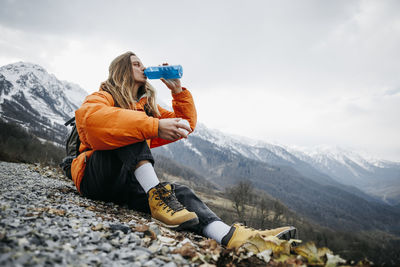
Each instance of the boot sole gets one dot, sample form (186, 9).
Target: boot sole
(178, 227)
(288, 234)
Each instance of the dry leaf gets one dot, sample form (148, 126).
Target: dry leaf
(187, 250)
(91, 208)
(265, 255)
(98, 227)
(82, 204)
(39, 209)
(313, 254)
(282, 258)
(146, 230)
(141, 228)
(209, 244)
(259, 243)
(57, 212)
(167, 240)
(333, 260)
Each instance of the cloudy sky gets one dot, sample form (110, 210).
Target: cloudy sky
(304, 73)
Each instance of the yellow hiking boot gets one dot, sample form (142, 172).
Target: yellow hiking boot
(239, 234)
(167, 210)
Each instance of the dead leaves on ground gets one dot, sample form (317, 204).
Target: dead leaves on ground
(259, 243)
(318, 256)
(40, 211)
(145, 229)
(259, 251)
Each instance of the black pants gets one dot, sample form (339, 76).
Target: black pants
(109, 176)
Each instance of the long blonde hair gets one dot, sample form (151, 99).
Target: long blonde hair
(120, 85)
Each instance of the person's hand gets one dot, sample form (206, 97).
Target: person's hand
(168, 129)
(173, 84)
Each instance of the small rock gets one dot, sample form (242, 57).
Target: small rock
(124, 241)
(134, 238)
(177, 258)
(67, 247)
(169, 264)
(149, 264)
(155, 229)
(154, 247)
(115, 242)
(106, 247)
(127, 255)
(95, 237)
(142, 257)
(120, 227)
(89, 248)
(22, 242)
(5, 256)
(97, 227)
(24, 259)
(164, 250)
(146, 250)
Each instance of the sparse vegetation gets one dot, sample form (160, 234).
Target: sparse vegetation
(262, 211)
(18, 145)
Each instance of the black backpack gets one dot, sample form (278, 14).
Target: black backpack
(71, 147)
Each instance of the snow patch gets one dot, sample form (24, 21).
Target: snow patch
(191, 147)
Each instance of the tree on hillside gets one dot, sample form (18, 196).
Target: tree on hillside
(263, 209)
(241, 195)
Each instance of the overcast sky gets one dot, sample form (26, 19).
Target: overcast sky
(304, 73)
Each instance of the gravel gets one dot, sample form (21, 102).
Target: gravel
(45, 222)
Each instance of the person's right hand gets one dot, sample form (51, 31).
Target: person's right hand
(168, 129)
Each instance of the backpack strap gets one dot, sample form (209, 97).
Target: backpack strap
(70, 121)
(78, 142)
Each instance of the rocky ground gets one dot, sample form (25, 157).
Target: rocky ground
(45, 222)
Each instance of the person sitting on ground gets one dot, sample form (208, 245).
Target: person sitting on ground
(117, 126)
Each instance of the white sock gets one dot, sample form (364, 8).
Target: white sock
(146, 176)
(216, 230)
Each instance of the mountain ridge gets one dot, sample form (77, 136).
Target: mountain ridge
(32, 97)
(366, 170)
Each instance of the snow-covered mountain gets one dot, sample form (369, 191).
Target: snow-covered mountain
(335, 166)
(38, 100)
(376, 177)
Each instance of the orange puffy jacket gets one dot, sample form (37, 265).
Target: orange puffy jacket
(101, 126)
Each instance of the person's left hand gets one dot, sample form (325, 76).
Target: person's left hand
(173, 84)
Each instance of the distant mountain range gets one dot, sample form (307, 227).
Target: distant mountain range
(301, 186)
(333, 187)
(326, 165)
(379, 178)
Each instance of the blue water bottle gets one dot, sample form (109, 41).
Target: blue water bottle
(166, 72)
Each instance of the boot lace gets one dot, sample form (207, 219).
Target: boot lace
(167, 199)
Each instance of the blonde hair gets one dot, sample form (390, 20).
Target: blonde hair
(120, 84)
